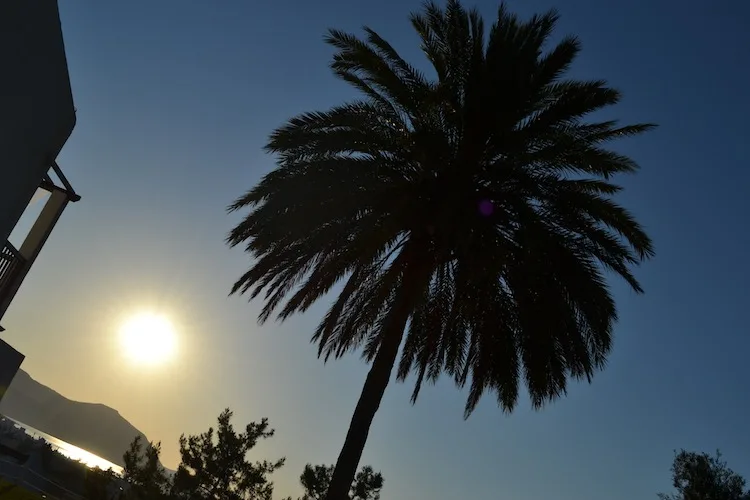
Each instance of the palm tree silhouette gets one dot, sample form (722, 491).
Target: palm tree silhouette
(469, 215)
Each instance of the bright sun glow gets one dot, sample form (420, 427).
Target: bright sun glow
(148, 339)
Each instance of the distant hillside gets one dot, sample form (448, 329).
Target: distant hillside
(93, 427)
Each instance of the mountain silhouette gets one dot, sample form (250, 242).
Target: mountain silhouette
(96, 428)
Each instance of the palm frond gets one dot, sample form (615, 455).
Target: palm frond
(493, 164)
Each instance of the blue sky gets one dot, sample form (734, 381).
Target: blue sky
(175, 100)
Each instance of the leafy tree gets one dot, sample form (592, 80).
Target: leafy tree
(468, 215)
(144, 472)
(316, 480)
(700, 476)
(218, 469)
(99, 484)
(215, 465)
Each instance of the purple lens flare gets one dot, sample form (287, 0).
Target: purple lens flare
(486, 208)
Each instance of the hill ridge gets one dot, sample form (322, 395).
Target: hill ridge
(95, 427)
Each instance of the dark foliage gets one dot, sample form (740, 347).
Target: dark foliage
(101, 485)
(144, 472)
(700, 476)
(215, 465)
(468, 215)
(317, 478)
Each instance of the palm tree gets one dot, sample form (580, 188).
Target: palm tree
(468, 216)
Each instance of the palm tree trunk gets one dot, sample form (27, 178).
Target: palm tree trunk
(368, 404)
(377, 380)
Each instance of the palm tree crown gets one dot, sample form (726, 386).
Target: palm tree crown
(478, 200)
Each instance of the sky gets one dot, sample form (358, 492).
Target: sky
(175, 100)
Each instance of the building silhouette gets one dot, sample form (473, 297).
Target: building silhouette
(37, 119)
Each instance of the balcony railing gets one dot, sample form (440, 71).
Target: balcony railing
(11, 262)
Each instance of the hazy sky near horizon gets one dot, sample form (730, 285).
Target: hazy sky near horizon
(175, 100)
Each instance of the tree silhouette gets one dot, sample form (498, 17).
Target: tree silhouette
(144, 472)
(467, 216)
(215, 465)
(472, 214)
(316, 480)
(700, 476)
(99, 485)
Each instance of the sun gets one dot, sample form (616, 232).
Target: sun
(148, 339)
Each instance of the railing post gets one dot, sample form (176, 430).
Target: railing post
(33, 244)
(10, 263)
